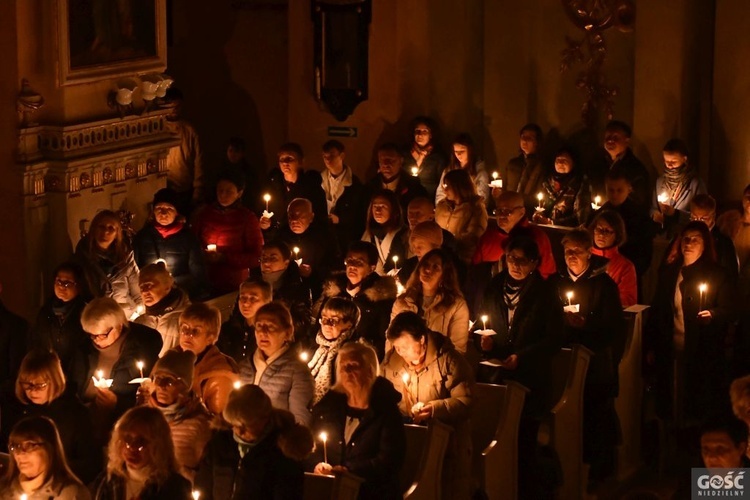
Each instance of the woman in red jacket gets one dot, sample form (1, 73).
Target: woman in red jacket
(608, 229)
(230, 235)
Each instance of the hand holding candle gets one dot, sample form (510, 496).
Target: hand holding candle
(485, 331)
(597, 204)
(141, 379)
(539, 197)
(266, 213)
(571, 308)
(702, 288)
(324, 437)
(496, 182)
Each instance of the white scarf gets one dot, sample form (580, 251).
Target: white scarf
(261, 362)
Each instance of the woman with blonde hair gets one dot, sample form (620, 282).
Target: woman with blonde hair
(141, 461)
(37, 466)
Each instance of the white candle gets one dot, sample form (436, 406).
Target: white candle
(196, 494)
(395, 262)
(702, 289)
(415, 171)
(324, 437)
(211, 247)
(139, 364)
(494, 176)
(266, 198)
(539, 197)
(569, 295)
(296, 253)
(484, 319)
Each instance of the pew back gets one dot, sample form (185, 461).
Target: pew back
(421, 474)
(339, 487)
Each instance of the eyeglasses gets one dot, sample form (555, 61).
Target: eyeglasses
(136, 444)
(330, 321)
(190, 331)
(354, 263)
(64, 283)
(101, 336)
(506, 211)
(603, 231)
(165, 382)
(32, 387)
(25, 447)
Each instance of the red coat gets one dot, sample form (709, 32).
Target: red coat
(236, 233)
(491, 246)
(622, 272)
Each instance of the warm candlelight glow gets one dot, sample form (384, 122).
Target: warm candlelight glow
(196, 494)
(414, 171)
(703, 287)
(569, 295)
(24, 496)
(266, 197)
(237, 384)
(324, 437)
(540, 197)
(405, 378)
(211, 247)
(494, 175)
(296, 252)
(162, 261)
(139, 364)
(484, 319)
(99, 373)
(663, 197)
(304, 357)
(598, 200)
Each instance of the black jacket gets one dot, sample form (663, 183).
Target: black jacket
(237, 338)
(430, 171)
(407, 189)
(293, 292)
(308, 186)
(176, 487)
(376, 449)
(14, 340)
(319, 249)
(351, 209)
(62, 335)
(632, 168)
(535, 334)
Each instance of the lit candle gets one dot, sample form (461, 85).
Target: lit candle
(237, 384)
(663, 197)
(494, 176)
(324, 437)
(405, 378)
(539, 197)
(139, 364)
(211, 247)
(266, 198)
(569, 295)
(415, 171)
(196, 494)
(100, 374)
(484, 319)
(296, 253)
(496, 182)
(24, 496)
(303, 356)
(702, 289)
(395, 262)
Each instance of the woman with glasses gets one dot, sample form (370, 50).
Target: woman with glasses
(566, 196)
(107, 259)
(462, 212)
(113, 353)
(338, 320)
(275, 365)
(215, 372)
(386, 230)
(41, 391)
(58, 324)
(608, 229)
(141, 462)
(37, 466)
(425, 155)
(171, 392)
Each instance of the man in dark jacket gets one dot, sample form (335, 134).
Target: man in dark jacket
(393, 177)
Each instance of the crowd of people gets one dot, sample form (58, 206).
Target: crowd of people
(358, 310)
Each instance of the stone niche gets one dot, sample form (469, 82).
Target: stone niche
(72, 172)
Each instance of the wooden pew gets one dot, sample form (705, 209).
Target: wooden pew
(563, 429)
(423, 462)
(343, 486)
(495, 417)
(629, 403)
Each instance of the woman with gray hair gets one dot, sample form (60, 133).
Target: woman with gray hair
(365, 431)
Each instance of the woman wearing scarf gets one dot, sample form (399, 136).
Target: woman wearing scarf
(338, 320)
(675, 188)
(566, 195)
(425, 155)
(385, 229)
(167, 237)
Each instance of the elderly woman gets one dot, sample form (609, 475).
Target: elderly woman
(237, 337)
(338, 321)
(41, 391)
(363, 424)
(108, 262)
(215, 373)
(164, 303)
(608, 229)
(115, 349)
(189, 421)
(140, 460)
(565, 193)
(275, 365)
(37, 466)
(260, 457)
(462, 212)
(435, 382)
(434, 294)
(166, 236)
(386, 230)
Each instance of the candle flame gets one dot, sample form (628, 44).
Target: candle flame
(99, 373)
(296, 250)
(494, 175)
(539, 196)
(395, 259)
(405, 378)
(323, 436)
(237, 384)
(569, 295)
(484, 318)
(304, 356)
(266, 197)
(139, 364)
(414, 171)
(196, 494)
(703, 287)
(597, 199)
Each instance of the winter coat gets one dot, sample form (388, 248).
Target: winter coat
(430, 171)
(288, 383)
(568, 203)
(60, 334)
(706, 377)
(176, 487)
(408, 187)
(399, 247)
(164, 317)
(118, 280)
(375, 301)
(182, 252)
(622, 272)
(481, 182)
(350, 208)
(318, 249)
(65, 491)
(237, 338)
(213, 379)
(445, 381)
(467, 222)
(235, 231)
(73, 422)
(376, 449)
(308, 186)
(451, 321)
(534, 334)
(271, 469)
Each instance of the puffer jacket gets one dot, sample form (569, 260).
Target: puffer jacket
(451, 321)
(467, 222)
(214, 378)
(288, 383)
(164, 317)
(622, 272)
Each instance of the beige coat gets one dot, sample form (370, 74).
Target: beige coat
(467, 222)
(214, 378)
(452, 322)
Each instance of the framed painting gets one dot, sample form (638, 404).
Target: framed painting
(101, 39)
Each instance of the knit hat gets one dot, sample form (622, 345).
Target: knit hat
(179, 364)
(169, 196)
(429, 231)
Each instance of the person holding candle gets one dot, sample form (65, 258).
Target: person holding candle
(599, 325)
(108, 262)
(608, 229)
(465, 157)
(426, 155)
(566, 196)
(258, 454)
(685, 332)
(234, 231)
(141, 461)
(37, 467)
(525, 172)
(440, 385)
(423, 237)
(363, 425)
(462, 212)
(237, 337)
(433, 292)
(164, 303)
(393, 177)
(215, 373)
(385, 229)
(275, 365)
